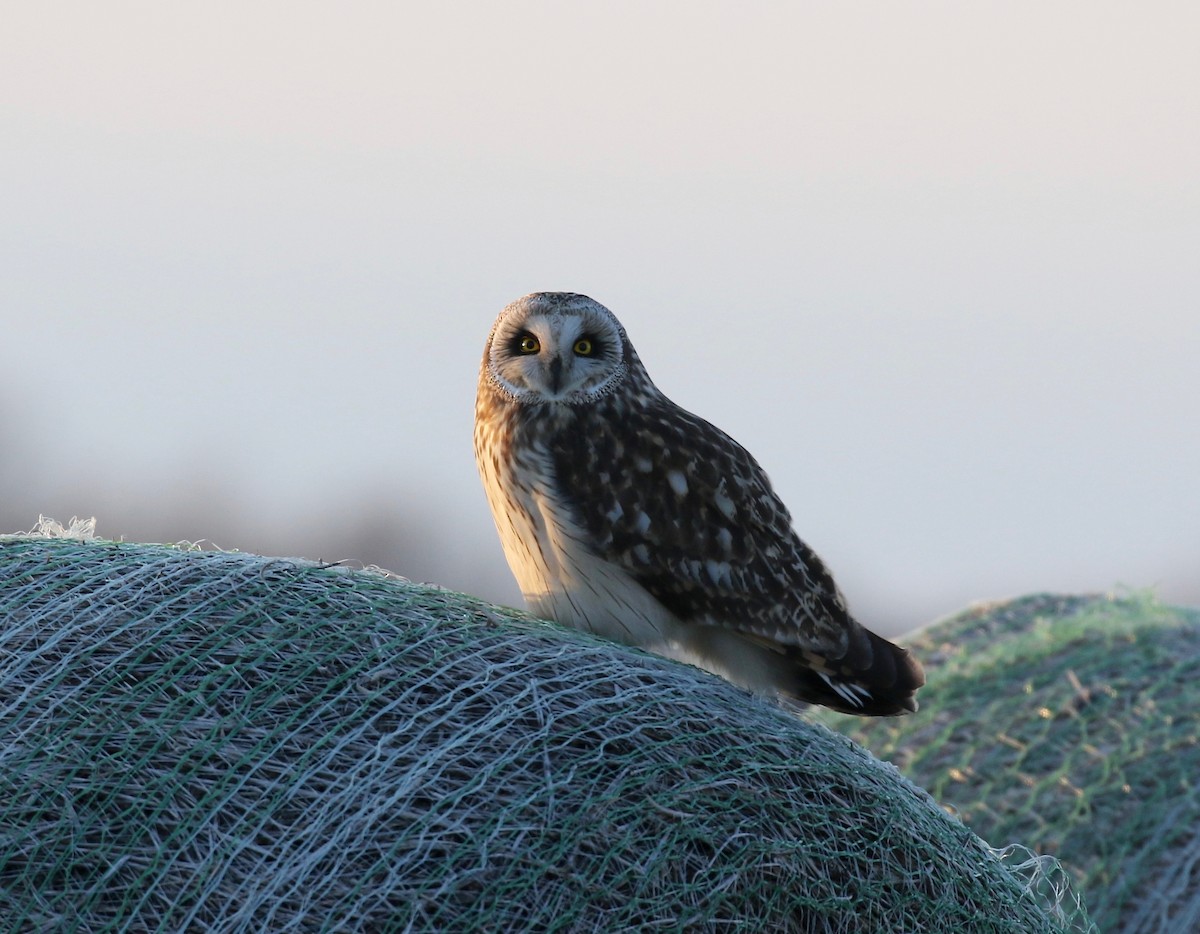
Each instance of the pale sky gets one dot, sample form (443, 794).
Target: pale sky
(934, 264)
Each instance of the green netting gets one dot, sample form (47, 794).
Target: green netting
(1072, 725)
(198, 741)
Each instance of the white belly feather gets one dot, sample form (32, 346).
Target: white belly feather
(559, 576)
(563, 580)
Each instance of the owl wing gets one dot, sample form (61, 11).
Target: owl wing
(692, 517)
(690, 514)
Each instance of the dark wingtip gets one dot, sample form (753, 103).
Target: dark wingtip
(893, 678)
(875, 679)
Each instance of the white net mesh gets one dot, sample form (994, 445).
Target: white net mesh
(207, 741)
(1068, 722)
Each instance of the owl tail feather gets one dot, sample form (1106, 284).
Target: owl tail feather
(874, 679)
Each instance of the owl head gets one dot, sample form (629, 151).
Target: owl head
(557, 347)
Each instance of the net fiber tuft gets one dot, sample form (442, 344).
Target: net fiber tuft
(205, 741)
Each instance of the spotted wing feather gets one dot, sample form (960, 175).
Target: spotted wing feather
(697, 524)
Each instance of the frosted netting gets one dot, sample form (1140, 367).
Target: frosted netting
(207, 741)
(1069, 723)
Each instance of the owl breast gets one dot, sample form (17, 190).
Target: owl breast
(559, 573)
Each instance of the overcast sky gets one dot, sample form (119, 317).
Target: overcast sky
(936, 265)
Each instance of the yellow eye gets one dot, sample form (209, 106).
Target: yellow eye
(530, 344)
(584, 347)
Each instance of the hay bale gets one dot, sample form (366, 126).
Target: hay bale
(1069, 723)
(209, 741)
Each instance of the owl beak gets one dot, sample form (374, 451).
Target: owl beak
(556, 366)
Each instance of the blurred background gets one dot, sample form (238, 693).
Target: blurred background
(936, 265)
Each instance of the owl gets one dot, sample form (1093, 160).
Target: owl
(625, 515)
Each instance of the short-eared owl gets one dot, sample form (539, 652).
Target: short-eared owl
(625, 515)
